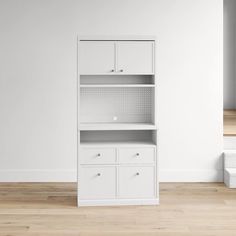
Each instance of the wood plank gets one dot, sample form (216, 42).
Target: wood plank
(229, 122)
(49, 209)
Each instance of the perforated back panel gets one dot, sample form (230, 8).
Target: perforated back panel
(116, 105)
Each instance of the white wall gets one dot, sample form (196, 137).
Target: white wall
(38, 82)
(229, 54)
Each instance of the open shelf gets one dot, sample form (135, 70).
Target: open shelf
(116, 126)
(118, 137)
(116, 80)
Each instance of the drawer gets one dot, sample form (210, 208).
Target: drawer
(136, 155)
(98, 155)
(97, 182)
(136, 182)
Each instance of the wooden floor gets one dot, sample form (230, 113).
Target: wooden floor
(230, 123)
(191, 209)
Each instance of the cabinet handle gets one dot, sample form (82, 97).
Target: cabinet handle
(137, 154)
(98, 174)
(121, 70)
(98, 155)
(137, 173)
(112, 70)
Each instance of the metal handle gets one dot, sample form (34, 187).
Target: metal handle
(137, 173)
(121, 70)
(98, 154)
(112, 70)
(98, 174)
(137, 154)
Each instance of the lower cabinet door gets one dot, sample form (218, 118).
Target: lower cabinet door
(136, 182)
(97, 182)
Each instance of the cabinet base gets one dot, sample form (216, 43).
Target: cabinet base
(118, 202)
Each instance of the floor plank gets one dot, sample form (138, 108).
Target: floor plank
(48, 209)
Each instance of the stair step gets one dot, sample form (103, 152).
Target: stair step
(230, 168)
(230, 177)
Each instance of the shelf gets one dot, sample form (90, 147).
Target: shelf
(117, 85)
(117, 126)
(130, 143)
(116, 80)
(117, 38)
(116, 73)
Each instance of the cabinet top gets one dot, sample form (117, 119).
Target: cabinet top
(116, 37)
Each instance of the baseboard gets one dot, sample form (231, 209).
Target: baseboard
(69, 175)
(194, 175)
(38, 175)
(118, 202)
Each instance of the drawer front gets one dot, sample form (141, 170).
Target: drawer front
(97, 182)
(98, 155)
(136, 155)
(136, 182)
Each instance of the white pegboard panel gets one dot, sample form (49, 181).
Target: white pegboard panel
(116, 105)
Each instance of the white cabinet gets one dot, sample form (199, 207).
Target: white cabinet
(96, 57)
(134, 57)
(117, 121)
(116, 57)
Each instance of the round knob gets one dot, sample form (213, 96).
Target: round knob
(112, 70)
(121, 70)
(137, 154)
(98, 174)
(137, 173)
(98, 154)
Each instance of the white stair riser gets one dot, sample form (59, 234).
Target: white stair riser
(229, 180)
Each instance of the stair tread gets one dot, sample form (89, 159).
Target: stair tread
(231, 171)
(230, 151)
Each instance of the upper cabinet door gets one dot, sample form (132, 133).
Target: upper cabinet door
(96, 57)
(135, 57)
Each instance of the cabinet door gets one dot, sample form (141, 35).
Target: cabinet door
(97, 182)
(96, 57)
(136, 182)
(135, 57)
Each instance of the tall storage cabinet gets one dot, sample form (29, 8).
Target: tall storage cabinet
(117, 121)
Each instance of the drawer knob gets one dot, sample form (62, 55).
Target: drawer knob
(98, 174)
(112, 70)
(137, 173)
(121, 70)
(137, 154)
(98, 154)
